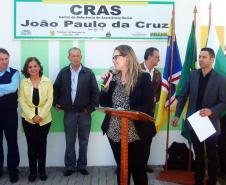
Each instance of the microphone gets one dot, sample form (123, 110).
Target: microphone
(112, 71)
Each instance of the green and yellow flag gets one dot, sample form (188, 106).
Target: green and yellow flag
(189, 64)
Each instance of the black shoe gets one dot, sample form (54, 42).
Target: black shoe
(221, 174)
(68, 173)
(32, 177)
(43, 176)
(14, 178)
(197, 183)
(149, 169)
(83, 171)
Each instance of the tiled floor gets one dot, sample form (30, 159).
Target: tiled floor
(97, 176)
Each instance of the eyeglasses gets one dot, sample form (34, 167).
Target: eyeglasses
(116, 57)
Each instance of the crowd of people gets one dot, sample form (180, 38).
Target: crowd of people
(132, 86)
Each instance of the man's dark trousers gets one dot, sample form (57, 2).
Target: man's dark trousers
(76, 122)
(9, 125)
(222, 147)
(211, 148)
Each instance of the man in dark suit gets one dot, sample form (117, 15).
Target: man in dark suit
(76, 92)
(222, 146)
(151, 60)
(206, 91)
(9, 82)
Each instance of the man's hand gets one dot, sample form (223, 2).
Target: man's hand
(58, 107)
(205, 112)
(175, 121)
(86, 110)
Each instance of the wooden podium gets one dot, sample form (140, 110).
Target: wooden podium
(125, 117)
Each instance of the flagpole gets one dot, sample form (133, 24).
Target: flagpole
(210, 17)
(176, 176)
(170, 83)
(195, 16)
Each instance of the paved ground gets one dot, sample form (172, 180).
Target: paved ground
(97, 176)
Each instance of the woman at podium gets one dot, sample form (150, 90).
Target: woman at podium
(128, 88)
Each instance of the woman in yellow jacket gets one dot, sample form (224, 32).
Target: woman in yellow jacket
(36, 97)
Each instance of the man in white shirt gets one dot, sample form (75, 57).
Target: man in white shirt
(151, 60)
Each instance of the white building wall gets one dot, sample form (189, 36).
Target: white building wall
(99, 152)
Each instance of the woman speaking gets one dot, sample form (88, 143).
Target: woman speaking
(131, 89)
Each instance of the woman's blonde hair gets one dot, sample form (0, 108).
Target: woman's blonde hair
(133, 66)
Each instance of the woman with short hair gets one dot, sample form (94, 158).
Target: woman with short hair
(36, 97)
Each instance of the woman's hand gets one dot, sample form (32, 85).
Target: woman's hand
(107, 77)
(37, 119)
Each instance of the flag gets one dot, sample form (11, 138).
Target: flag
(189, 64)
(162, 113)
(220, 60)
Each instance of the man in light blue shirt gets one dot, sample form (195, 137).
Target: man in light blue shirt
(9, 82)
(76, 92)
(11, 87)
(74, 81)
